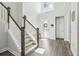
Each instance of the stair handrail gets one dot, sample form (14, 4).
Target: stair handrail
(25, 18)
(9, 15)
(3, 5)
(15, 21)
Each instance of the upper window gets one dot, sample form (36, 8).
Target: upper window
(46, 6)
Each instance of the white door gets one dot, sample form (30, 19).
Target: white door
(59, 27)
(45, 30)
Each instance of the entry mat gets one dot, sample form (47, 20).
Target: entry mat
(40, 50)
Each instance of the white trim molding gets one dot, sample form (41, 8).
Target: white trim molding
(2, 50)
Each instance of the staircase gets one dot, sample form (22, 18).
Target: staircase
(28, 41)
(29, 44)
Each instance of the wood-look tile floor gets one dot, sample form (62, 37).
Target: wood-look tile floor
(53, 48)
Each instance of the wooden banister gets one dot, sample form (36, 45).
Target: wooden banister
(29, 22)
(38, 36)
(22, 41)
(3, 5)
(15, 22)
(8, 10)
(9, 15)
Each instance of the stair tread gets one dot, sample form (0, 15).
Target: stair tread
(29, 43)
(28, 40)
(26, 33)
(29, 47)
(27, 36)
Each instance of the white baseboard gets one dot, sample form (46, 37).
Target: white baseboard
(10, 50)
(2, 50)
(14, 52)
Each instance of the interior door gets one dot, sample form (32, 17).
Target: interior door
(60, 27)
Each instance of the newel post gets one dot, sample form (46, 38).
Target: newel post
(8, 11)
(38, 36)
(22, 41)
(23, 38)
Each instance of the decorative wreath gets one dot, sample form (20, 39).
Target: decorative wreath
(45, 25)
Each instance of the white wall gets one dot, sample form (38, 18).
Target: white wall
(31, 9)
(3, 30)
(74, 30)
(78, 29)
(16, 10)
(19, 13)
(3, 37)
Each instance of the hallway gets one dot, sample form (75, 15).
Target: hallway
(20, 30)
(53, 48)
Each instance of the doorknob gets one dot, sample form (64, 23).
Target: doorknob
(52, 25)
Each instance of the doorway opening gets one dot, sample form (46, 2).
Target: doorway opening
(59, 28)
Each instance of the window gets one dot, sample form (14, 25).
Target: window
(46, 6)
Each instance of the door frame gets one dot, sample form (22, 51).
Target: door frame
(56, 24)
